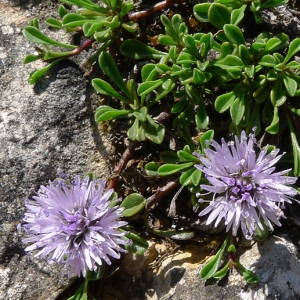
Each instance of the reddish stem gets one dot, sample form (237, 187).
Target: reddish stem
(161, 192)
(156, 7)
(122, 163)
(81, 47)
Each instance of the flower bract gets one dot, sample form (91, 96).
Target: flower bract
(246, 191)
(73, 224)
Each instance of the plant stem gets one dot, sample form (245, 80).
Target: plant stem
(161, 192)
(152, 9)
(122, 163)
(81, 47)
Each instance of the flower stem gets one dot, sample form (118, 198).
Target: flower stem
(161, 192)
(122, 163)
(152, 9)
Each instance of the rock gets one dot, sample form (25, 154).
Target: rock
(161, 274)
(43, 128)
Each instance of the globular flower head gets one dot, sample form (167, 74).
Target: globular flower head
(72, 224)
(246, 191)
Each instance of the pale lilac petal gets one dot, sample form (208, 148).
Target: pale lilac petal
(246, 190)
(72, 224)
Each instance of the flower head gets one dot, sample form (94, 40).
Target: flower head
(246, 192)
(73, 224)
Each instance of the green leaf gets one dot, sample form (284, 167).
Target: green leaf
(272, 75)
(193, 176)
(73, 20)
(250, 276)
(31, 57)
(223, 102)
(173, 53)
(205, 138)
(153, 131)
(105, 88)
(231, 248)
(230, 62)
(267, 61)
(110, 68)
(149, 72)
(244, 54)
(279, 58)
(62, 11)
(54, 23)
(237, 108)
(126, 7)
(89, 28)
(237, 15)
(179, 106)
(293, 49)
(196, 177)
(218, 15)
(169, 169)
(186, 177)
(250, 71)
(191, 47)
(212, 266)
(133, 204)
(138, 50)
(296, 148)
(226, 48)
(148, 86)
(185, 156)
(201, 11)
(35, 23)
(201, 117)
(36, 36)
(103, 36)
(290, 84)
(272, 44)
(39, 73)
(185, 58)
(51, 54)
(277, 94)
(258, 45)
(107, 113)
(173, 234)
(151, 168)
(222, 272)
(174, 28)
(261, 235)
(141, 114)
(274, 126)
(134, 133)
(293, 65)
(88, 5)
(131, 26)
(138, 245)
(273, 3)
(234, 34)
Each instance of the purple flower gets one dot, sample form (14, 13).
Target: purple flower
(73, 224)
(246, 192)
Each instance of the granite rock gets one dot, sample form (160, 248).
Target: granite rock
(43, 128)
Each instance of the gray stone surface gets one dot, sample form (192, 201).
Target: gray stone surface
(176, 276)
(42, 128)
